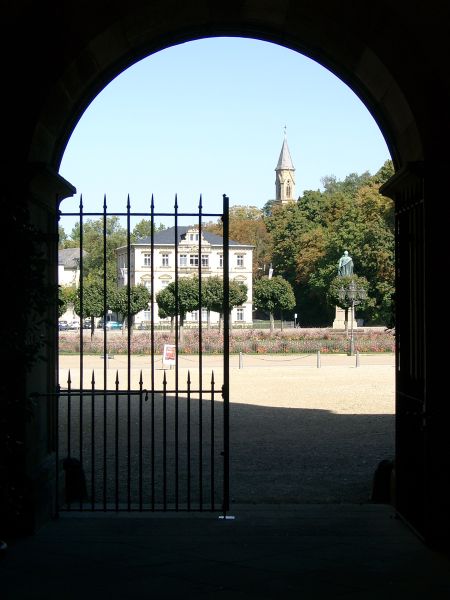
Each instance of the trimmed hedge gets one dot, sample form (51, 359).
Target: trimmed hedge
(291, 341)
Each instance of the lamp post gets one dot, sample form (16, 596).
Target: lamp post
(350, 296)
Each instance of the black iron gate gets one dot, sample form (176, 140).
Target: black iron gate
(159, 441)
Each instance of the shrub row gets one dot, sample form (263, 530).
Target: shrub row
(297, 341)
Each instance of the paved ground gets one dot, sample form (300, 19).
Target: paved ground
(280, 551)
(299, 433)
(302, 552)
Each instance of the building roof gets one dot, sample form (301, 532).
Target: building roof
(166, 237)
(69, 258)
(285, 160)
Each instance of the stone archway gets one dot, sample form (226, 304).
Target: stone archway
(370, 52)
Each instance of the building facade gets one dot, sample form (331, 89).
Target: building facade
(195, 249)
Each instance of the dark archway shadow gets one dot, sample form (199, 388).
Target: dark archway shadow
(298, 455)
(156, 457)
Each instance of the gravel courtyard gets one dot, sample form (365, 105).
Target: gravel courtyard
(298, 433)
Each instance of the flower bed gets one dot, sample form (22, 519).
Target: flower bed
(290, 341)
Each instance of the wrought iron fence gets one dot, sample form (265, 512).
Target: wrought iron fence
(159, 446)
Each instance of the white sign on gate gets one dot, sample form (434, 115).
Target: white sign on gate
(169, 355)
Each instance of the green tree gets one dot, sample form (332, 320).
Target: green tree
(309, 237)
(93, 302)
(171, 304)
(247, 226)
(143, 229)
(212, 296)
(139, 299)
(66, 297)
(93, 241)
(275, 294)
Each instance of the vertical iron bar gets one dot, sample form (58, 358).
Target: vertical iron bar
(128, 352)
(226, 357)
(212, 444)
(116, 441)
(105, 356)
(69, 414)
(188, 440)
(129, 292)
(81, 292)
(152, 346)
(140, 440)
(93, 441)
(105, 307)
(69, 417)
(165, 441)
(56, 416)
(200, 347)
(176, 353)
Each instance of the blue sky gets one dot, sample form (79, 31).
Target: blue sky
(207, 117)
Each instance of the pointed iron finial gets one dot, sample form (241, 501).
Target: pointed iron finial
(93, 378)
(104, 202)
(200, 204)
(212, 378)
(152, 204)
(189, 378)
(69, 379)
(176, 202)
(128, 202)
(81, 202)
(141, 381)
(117, 378)
(164, 379)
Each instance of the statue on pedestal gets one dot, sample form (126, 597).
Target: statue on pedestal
(345, 266)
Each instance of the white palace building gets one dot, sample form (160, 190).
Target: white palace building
(211, 260)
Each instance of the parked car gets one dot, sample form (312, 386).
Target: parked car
(110, 324)
(114, 325)
(75, 324)
(87, 323)
(63, 325)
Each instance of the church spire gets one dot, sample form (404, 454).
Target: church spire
(285, 178)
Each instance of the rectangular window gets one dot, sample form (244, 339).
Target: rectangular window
(220, 261)
(193, 260)
(240, 260)
(239, 314)
(165, 260)
(147, 260)
(183, 260)
(205, 260)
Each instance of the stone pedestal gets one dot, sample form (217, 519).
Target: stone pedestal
(339, 319)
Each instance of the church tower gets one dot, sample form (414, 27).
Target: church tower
(285, 176)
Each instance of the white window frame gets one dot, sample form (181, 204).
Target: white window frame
(183, 260)
(165, 260)
(239, 260)
(147, 259)
(240, 314)
(193, 260)
(205, 260)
